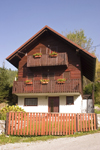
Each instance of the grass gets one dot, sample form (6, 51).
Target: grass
(17, 139)
(96, 110)
(97, 105)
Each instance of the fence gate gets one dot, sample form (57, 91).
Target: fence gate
(20, 123)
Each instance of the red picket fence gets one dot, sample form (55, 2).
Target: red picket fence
(19, 123)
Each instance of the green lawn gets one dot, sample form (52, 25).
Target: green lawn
(97, 105)
(17, 139)
(96, 110)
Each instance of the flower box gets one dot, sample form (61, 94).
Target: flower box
(53, 54)
(44, 81)
(37, 55)
(61, 80)
(28, 81)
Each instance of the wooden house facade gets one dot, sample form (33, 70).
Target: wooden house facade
(51, 83)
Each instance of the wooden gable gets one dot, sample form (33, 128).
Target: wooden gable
(48, 38)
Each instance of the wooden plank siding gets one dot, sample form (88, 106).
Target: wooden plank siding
(45, 45)
(46, 60)
(71, 85)
(49, 123)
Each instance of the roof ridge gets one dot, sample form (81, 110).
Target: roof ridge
(49, 28)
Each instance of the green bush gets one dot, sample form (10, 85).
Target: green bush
(7, 109)
(88, 90)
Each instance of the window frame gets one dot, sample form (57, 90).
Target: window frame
(30, 99)
(48, 75)
(69, 99)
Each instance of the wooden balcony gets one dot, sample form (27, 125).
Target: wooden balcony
(70, 86)
(46, 60)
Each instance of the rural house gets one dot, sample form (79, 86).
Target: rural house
(50, 73)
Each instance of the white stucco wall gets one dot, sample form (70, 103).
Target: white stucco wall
(76, 108)
(43, 104)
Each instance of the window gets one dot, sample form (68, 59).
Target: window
(30, 102)
(49, 76)
(30, 74)
(44, 75)
(69, 100)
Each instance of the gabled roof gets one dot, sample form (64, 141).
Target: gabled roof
(88, 60)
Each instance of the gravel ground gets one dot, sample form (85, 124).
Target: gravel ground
(87, 142)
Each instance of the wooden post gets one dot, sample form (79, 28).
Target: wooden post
(58, 124)
(18, 123)
(12, 123)
(96, 121)
(15, 123)
(69, 124)
(21, 123)
(72, 123)
(30, 122)
(39, 125)
(27, 122)
(52, 122)
(66, 124)
(76, 123)
(24, 123)
(86, 121)
(36, 123)
(61, 125)
(89, 121)
(7, 123)
(33, 122)
(47, 124)
(55, 124)
(81, 122)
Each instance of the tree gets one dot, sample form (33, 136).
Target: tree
(97, 71)
(4, 85)
(79, 38)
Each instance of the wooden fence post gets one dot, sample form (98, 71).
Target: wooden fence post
(96, 121)
(6, 123)
(76, 124)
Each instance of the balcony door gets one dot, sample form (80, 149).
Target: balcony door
(53, 104)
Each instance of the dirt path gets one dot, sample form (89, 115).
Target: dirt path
(87, 142)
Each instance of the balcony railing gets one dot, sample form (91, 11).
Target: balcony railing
(71, 85)
(46, 60)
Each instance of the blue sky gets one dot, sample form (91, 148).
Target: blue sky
(21, 19)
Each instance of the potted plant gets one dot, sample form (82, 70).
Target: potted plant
(27, 81)
(53, 54)
(61, 80)
(44, 81)
(37, 55)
